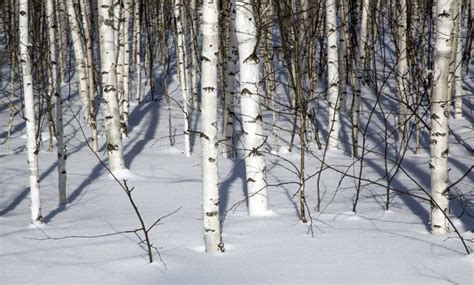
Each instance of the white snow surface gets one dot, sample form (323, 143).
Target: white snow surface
(373, 246)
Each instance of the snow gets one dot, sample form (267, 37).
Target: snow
(372, 246)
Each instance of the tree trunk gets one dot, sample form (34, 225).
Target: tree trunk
(210, 179)
(86, 14)
(230, 85)
(56, 94)
(80, 58)
(333, 74)
(181, 65)
(403, 72)
(31, 145)
(137, 36)
(109, 86)
(251, 118)
(439, 121)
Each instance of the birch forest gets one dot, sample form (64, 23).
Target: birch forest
(236, 141)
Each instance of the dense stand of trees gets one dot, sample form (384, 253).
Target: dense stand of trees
(295, 67)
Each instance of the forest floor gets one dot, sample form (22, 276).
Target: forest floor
(373, 246)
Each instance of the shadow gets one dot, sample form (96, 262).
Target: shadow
(415, 206)
(76, 193)
(237, 171)
(134, 147)
(24, 193)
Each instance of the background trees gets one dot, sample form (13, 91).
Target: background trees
(373, 81)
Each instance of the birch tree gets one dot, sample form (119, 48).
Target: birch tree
(333, 74)
(230, 85)
(210, 178)
(31, 145)
(109, 85)
(403, 72)
(81, 63)
(439, 120)
(251, 118)
(181, 64)
(87, 35)
(56, 94)
(137, 35)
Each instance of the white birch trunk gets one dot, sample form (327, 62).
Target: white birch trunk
(126, 65)
(109, 85)
(210, 178)
(251, 118)
(194, 56)
(333, 74)
(80, 59)
(403, 72)
(363, 38)
(56, 94)
(439, 121)
(137, 49)
(31, 146)
(122, 64)
(457, 80)
(181, 64)
(230, 86)
(86, 14)
(121, 67)
(61, 15)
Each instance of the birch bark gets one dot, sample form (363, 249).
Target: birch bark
(251, 118)
(137, 49)
(80, 59)
(181, 64)
(439, 120)
(109, 85)
(56, 94)
(31, 145)
(86, 14)
(403, 72)
(333, 74)
(230, 85)
(210, 179)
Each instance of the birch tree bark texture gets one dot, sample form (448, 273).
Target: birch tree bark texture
(230, 85)
(210, 178)
(56, 94)
(439, 120)
(333, 75)
(403, 72)
(81, 62)
(181, 64)
(31, 145)
(109, 85)
(250, 107)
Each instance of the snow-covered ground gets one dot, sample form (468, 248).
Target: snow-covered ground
(374, 246)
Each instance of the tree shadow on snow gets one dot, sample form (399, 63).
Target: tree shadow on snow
(236, 172)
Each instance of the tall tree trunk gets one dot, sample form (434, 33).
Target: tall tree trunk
(457, 62)
(439, 121)
(137, 36)
(210, 178)
(230, 84)
(403, 72)
(333, 74)
(194, 54)
(251, 118)
(181, 64)
(86, 15)
(56, 94)
(81, 61)
(109, 86)
(31, 145)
